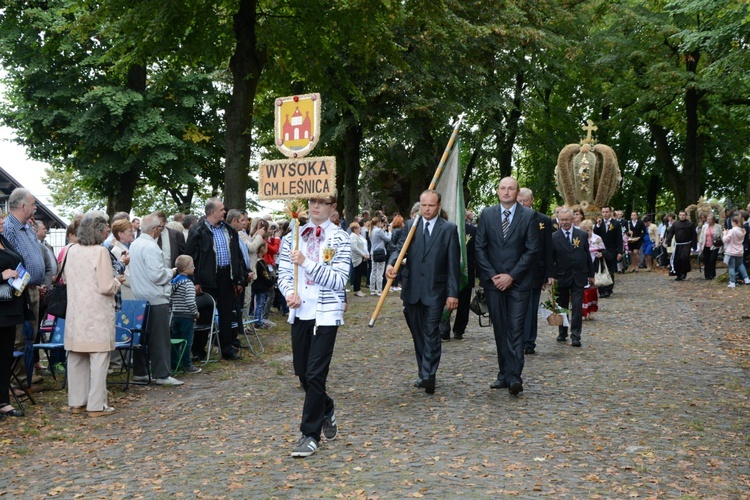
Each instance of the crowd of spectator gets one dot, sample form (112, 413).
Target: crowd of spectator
(173, 261)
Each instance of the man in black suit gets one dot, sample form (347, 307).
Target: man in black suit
(171, 242)
(506, 247)
(430, 281)
(611, 233)
(542, 268)
(573, 270)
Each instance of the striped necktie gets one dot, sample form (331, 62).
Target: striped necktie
(506, 222)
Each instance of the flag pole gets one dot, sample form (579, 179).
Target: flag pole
(413, 229)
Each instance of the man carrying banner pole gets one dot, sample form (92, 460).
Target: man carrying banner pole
(430, 283)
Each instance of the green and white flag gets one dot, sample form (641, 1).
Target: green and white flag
(450, 187)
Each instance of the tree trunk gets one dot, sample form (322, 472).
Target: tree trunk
(121, 199)
(122, 186)
(246, 65)
(653, 191)
(508, 139)
(664, 156)
(694, 140)
(353, 134)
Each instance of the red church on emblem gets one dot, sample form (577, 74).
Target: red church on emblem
(297, 128)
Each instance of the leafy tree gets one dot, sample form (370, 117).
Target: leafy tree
(113, 131)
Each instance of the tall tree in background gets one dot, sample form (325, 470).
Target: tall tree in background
(116, 131)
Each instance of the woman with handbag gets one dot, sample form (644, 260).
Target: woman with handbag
(13, 311)
(379, 240)
(596, 247)
(710, 241)
(90, 326)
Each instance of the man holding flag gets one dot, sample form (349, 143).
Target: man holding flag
(430, 280)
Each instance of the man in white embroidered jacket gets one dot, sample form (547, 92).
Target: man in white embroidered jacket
(316, 311)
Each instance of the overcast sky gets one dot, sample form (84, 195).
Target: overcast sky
(29, 173)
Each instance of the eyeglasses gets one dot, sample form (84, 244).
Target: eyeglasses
(161, 226)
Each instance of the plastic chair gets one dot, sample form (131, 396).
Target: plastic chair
(55, 344)
(131, 327)
(18, 356)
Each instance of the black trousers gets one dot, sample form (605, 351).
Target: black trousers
(312, 350)
(508, 311)
(462, 312)
(709, 261)
(572, 294)
(7, 340)
(357, 276)
(531, 325)
(226, 301)
(424, 323)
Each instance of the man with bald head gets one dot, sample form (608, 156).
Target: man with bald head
(507, 245)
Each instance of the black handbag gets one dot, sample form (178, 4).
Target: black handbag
(56, 299)
(379, 255)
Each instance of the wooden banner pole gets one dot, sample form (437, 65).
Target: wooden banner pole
(413, 229)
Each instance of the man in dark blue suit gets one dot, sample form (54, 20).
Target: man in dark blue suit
(430, 281)
(506, 248)
(573, 270)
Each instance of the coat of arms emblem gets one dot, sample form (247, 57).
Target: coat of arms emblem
(297, 124)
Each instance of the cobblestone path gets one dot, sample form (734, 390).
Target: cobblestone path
(650, 406)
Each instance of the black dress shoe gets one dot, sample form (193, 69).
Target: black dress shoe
(515, 388)
(529, 350)
(576, 343)
(560, 338)
(445, 339)
(11, 412)
(231, 356)
(679, 278)
(458, 336)
(499, 384)
(429, 386)
(419, 383)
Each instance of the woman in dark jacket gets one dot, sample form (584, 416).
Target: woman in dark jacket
(12, 313)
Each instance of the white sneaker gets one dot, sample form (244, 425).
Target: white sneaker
(731, 285)
(140, 378)
(269, 322)
(747, 281)
(359, 294)
(168, 381)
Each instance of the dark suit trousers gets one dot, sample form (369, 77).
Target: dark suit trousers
(424, 323)
(508, 311)
(312, 351)
(226, 301)
(462, 311)
(576, 310)
(531, 325)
